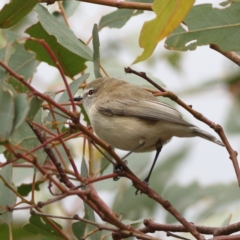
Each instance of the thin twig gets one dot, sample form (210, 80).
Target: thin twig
(230, 55)
(151, 226)
(217, 128)
(63, 13)
(113, 3)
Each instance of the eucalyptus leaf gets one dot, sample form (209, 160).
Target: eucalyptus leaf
(96, 53)
(22, 106)
(7, 113)
(209, 29)
(79, 229)
(70, 62)
(14, 11)
(64, 36)
(7, 196)
(39, 226)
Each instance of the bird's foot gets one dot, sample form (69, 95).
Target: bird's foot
(145, 181)
(117, 168)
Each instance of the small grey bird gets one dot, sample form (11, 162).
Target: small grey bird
(130, 118)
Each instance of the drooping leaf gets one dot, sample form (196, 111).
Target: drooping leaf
(208, 25)
(21, 106)
(3, 40)
(23, 62)
(105, 163)
(78, 229)
(7, 196)
(70, 62)
(6, 52)
(170, 13)
(35, 105)
(25, 138)
(89, 213)
(85, 116)
(64, 36)
(18, 59)
(14, 11)
(96, 53)
(39, 226)
(84, 168)
(120, 17)
(6, 113)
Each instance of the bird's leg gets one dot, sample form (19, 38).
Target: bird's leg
(117, 167)
(142, 141)
(158, 150)
(146, 180)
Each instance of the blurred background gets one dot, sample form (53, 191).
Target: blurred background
(195, 175)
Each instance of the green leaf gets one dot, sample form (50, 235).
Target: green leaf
(69, 7)
(84, 168)
(211, 28)
(85, 116)
(6, 113)
(14, 11)
(35, 106)
(7, 197)
(70, 62)
(3, 40)
(78, 229)
(24, 189)
(22, 106)
(25, 138)
(89, 213)
(39, 226)
(170, 13)
(96, 54)
(18, 59)
(23, 62)
(6, 52)
(62, 33)
(118, 18)
(105, 162)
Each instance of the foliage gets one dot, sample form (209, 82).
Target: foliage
(40, 131)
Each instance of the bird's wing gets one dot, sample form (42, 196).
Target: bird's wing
(144, 109)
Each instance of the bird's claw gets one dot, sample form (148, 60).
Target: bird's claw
(144, 181)
(117, 168)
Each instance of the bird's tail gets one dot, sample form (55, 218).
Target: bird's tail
(201, 133)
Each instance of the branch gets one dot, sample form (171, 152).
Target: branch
(217, 128)
(152, 227)
(113, 3)
(230, 55)
(99, 226)
(35, 92)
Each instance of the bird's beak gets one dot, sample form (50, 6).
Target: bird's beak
(78, 99)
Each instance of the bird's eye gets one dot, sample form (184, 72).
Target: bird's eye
(90, 92)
